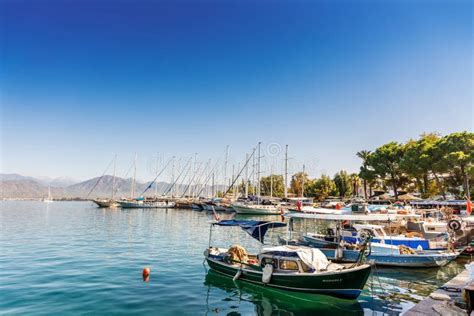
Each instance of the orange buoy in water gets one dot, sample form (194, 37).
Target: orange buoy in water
(146, 274)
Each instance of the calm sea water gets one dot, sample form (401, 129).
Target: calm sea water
(74, 258)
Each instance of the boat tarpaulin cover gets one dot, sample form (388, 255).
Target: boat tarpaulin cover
(312, 257)
(256, 229)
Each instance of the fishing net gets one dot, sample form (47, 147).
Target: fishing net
(238, 253)
(404, 250)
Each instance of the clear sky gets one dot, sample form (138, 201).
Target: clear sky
(84, 80)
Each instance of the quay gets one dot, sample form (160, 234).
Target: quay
(450, 298)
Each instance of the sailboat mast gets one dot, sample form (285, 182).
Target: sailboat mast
(271, 181)
(157, 170)
(246, 177)
(286, 171)
(225, 165)
(213, 189)
(302, 184)
(113, 179)
(134, 176)
(258, 174)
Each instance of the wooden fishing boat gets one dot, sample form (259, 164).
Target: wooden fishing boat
(383, 251)
(300, 269)
(380, 254)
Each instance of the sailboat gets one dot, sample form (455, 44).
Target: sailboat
(142, 202)
(257, 209)
(109, 202)
(49, 199)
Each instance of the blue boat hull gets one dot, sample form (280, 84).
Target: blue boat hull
(396, 260)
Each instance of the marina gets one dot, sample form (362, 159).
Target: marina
(98, 254)
(236, 158)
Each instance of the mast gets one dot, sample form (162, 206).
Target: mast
(302, 184)
(134, 176)
(246, 177)
(258, 174)
(271, 181)
(225, 165)
(113, 179)
(286, 171)
(254, 187)
(157, 170)
(213, 193)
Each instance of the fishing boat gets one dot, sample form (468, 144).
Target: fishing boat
(381, 254)
(49, 199)
(336, 246)
(291, 268)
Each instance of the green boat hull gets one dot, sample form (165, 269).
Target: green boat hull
(346, 284)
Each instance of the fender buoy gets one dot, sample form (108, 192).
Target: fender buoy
(454, 225)
(146, 274)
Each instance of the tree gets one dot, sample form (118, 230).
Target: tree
(364, 173)
(323, 187)
(355, 182)
(385, 162)
(458, 153)
(296, 183)
(343, 183)
(273, 185)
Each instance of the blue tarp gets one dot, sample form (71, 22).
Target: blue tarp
(256, 229)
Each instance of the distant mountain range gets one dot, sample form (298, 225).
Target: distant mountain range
(23, 187)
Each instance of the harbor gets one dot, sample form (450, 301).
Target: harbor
(236, 158)
(95, 262)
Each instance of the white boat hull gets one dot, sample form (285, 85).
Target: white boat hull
(141, 204)
(257, 209)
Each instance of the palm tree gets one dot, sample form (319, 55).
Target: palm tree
(364, 155)
(355, 180)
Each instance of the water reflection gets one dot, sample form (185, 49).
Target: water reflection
(269, 301)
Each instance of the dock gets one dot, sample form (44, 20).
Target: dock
(452, 289)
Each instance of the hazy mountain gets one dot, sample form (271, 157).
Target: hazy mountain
(18, 186)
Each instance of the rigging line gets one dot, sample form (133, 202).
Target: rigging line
(159, 174)
(179, 176)
(198, 171)
(100, 178)
(206, 180)
(206, 177)
(185, 175)
(181, 184)
(125, 177)
(238, 175)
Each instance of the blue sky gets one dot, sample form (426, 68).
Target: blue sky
(84, 80)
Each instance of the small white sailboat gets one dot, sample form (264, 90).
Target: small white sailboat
(49, 199)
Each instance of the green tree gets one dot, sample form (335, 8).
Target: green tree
(343, 183)
(420, 159)
(458, 154)
(297, 182)
(385, 162)
(273, 185)
(323, 187)
(365, 174)
(355, 182)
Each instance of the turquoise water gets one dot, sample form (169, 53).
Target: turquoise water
(74, 258)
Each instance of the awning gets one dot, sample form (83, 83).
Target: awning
(256, 229)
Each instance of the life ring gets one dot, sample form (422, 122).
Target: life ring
(454, 225)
